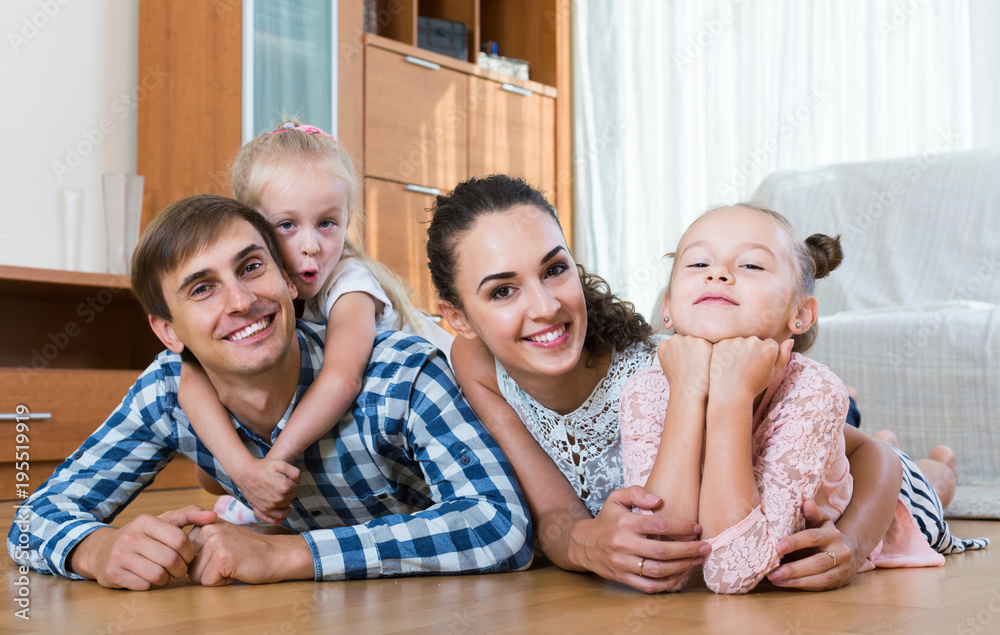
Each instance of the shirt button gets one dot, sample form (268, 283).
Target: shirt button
(315, 512)
(381, 496)
(465, 460)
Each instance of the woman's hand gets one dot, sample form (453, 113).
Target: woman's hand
(817, 572)
(613, 544)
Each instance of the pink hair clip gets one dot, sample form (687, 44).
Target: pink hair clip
(288, 125)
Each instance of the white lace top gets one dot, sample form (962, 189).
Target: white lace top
(586, 443)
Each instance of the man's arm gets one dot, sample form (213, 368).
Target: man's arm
(476, 520)
(89, 489)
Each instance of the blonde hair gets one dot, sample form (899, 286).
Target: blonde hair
(814, 258)
(265, 157)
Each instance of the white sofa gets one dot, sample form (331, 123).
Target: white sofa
(912, 317)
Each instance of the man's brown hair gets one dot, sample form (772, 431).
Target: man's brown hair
(180, 231)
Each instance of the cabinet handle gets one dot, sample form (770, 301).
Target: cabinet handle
(419, 62)
(517, 90)
(433, 191)
(34, 416)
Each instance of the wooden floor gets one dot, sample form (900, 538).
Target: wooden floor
(961, 597)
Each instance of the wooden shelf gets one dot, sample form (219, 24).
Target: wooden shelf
(455, 64)
(52, 284)
(77, 343)
(523, 29)
(69, 319)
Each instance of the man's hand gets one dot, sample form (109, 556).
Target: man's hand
(270, 485)
(227, 553)
(145, 553)
(614, 543)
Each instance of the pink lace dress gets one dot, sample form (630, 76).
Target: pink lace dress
(798, 449)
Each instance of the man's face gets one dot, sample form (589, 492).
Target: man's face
(231, 306)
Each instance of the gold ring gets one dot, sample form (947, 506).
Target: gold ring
(832, 555)
(642, 560)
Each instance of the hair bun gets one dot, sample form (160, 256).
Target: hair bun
(826, 253)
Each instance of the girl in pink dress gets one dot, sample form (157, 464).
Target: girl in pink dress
(735, 428)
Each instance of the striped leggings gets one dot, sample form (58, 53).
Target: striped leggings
(925, 507)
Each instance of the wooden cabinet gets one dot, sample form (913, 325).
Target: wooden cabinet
(396, 234)
(511, 130)
(432, 121)
(408, 116)
(77, 342)
(415, 129)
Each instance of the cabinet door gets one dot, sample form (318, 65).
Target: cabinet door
(415, 120)
(78, 402)
(396, 235)
(511, 130)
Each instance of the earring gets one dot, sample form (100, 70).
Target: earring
(666, 321)
(798, 325)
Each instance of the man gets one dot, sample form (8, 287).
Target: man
(409, 482)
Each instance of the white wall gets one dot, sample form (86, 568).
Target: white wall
(69, 68)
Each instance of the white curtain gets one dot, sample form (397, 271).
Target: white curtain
(682, 105)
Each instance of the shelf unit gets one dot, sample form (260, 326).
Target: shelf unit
(82, 340)
(189, 128)
(431, 121)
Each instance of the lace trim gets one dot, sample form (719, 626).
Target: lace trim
(585, 444)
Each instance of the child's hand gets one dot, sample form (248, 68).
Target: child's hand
(743, 367)
(686, 361)
(270, 485)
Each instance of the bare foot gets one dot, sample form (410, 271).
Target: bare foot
(889, 437)
(943, 454)
(939, 468)
(853, 394)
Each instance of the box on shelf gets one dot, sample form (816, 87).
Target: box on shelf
(505, 65)
(443, 36)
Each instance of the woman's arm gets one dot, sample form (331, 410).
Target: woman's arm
(878, 476)
(611, 545)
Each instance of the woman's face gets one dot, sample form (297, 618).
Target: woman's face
(521, 293)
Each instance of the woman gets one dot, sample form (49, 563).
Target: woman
(543, 349)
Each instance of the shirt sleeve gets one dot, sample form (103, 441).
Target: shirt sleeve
(101, 477)
(476, 522)
(793, 447)
(643, 407)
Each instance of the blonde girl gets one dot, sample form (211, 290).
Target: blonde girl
(303, 182)
(734, 428)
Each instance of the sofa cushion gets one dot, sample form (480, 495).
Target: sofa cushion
(930, 374)
(915, 231)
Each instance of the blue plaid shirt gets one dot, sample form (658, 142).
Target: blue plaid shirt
(408, 483)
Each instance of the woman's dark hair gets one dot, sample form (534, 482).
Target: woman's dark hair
(612, 323)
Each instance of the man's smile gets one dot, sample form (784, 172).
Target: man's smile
(254, 328)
